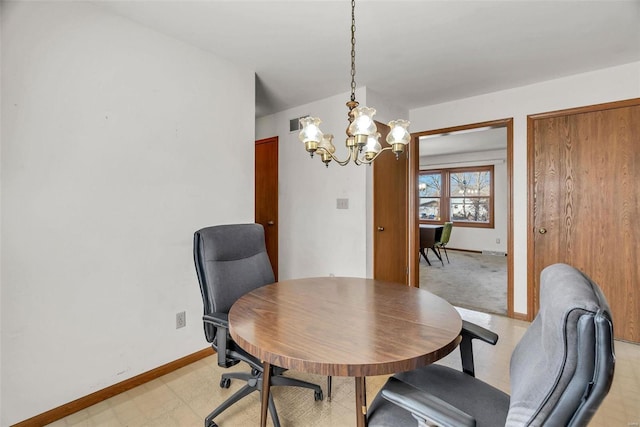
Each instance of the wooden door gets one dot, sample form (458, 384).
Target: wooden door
(266, 195)
(586, 202)
(390, 227)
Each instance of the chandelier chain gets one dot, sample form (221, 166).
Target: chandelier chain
(353, 50)
(362, 141)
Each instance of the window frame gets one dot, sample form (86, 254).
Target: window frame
(445, 196)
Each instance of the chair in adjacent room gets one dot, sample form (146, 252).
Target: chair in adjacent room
(230, 261)
(444, 239)
(560, 371)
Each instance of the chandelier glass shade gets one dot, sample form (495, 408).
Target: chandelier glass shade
(362, 140)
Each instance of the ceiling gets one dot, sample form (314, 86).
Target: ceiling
(415, 53)
(468, 141)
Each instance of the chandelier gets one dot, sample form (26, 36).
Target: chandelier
(362, 134)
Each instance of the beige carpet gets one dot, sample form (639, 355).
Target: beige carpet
(470, 280)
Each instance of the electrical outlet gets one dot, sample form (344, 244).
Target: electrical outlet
(181, 320)
(498, 241)
(342, 203)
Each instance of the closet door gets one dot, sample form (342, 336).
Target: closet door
(390, 221)
(585, 205)
(266, 195)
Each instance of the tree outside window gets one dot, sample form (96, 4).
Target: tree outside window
(470, 194)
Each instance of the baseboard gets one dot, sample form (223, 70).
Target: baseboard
(463, 250)
(104, 394)
(473, 251)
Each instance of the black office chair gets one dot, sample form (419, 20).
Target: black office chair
(560, 371)
(230, 261)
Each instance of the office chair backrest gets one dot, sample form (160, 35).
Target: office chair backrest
(230, 260)
(562, 368)
(446, 233)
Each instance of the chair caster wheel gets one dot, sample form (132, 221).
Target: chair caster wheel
(224, 383)
(255, 372)
(317, 395)
(210, 424)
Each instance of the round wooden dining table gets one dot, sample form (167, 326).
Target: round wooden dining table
(343, 326)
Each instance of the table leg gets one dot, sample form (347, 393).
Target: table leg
(266, 384)
(361, 402)
(424, 255)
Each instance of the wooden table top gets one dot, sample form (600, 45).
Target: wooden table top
(341, 326)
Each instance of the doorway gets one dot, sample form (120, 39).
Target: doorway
(482, 230)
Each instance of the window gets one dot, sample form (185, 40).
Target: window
(462, 195)
(430, 189)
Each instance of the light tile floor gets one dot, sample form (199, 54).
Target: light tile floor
(186, 396)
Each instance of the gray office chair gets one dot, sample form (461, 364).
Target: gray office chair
(230, 261)
(560, 371)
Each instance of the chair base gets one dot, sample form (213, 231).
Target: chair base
(254, 383)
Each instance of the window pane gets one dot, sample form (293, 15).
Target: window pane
(470, 209)
(430, 184)
(429, 208)
(471, 183)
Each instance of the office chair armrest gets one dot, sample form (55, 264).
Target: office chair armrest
(471, 331)
(476, 331)
(229, 353)
(221, 342)
(426, 408)
(219, 320)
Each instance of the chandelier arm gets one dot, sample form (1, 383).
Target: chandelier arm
(334, 158)
(368, 162)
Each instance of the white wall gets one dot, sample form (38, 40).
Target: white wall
(316, 239)
(117, 144)
(385, 109)
(611, 84)
(479, 239)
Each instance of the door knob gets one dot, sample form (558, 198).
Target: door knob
(380, 228)
(542, 230)
(270, 223)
